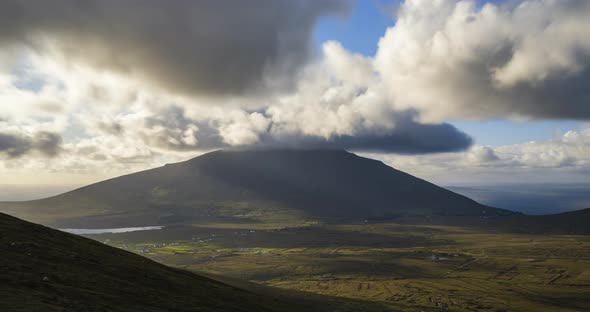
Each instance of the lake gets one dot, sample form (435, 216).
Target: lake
(115, 230)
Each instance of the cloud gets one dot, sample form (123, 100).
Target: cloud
(16, 145)
(110, 127)
(407, 137)
(480, 155)
(13, 145)
(455, 59)
(172, 130)
(570, 150)
(47, 143)
(333, 105)
(564, 158)
(192, 47)
(138, 83)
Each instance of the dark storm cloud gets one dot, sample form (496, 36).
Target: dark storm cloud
(207, 47)
(416, 139)
(556, 98)
(408, 137)
(15, 145)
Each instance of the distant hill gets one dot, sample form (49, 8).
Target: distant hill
(252, 185)
(42, 269)
(566, 223)
(572, 222)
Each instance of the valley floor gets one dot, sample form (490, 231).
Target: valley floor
(400, 267)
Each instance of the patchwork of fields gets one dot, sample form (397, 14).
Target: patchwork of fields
(400, 267)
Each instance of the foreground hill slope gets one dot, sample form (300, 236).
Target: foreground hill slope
(42, 269)
(48, 270)
(252, 184)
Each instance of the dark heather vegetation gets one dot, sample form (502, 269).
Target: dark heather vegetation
(42, 269)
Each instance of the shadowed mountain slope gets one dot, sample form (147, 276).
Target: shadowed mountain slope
(252, 185)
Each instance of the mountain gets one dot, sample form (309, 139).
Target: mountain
(252, 185)
(42, 269)
(571, 222)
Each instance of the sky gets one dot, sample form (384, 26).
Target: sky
(460, 93)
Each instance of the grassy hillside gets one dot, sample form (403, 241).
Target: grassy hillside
(252, 186)
(47, 270)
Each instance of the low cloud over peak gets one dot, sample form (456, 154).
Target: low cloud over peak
(172, 129)
(406, 137)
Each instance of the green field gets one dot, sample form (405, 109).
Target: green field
(399, 267)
